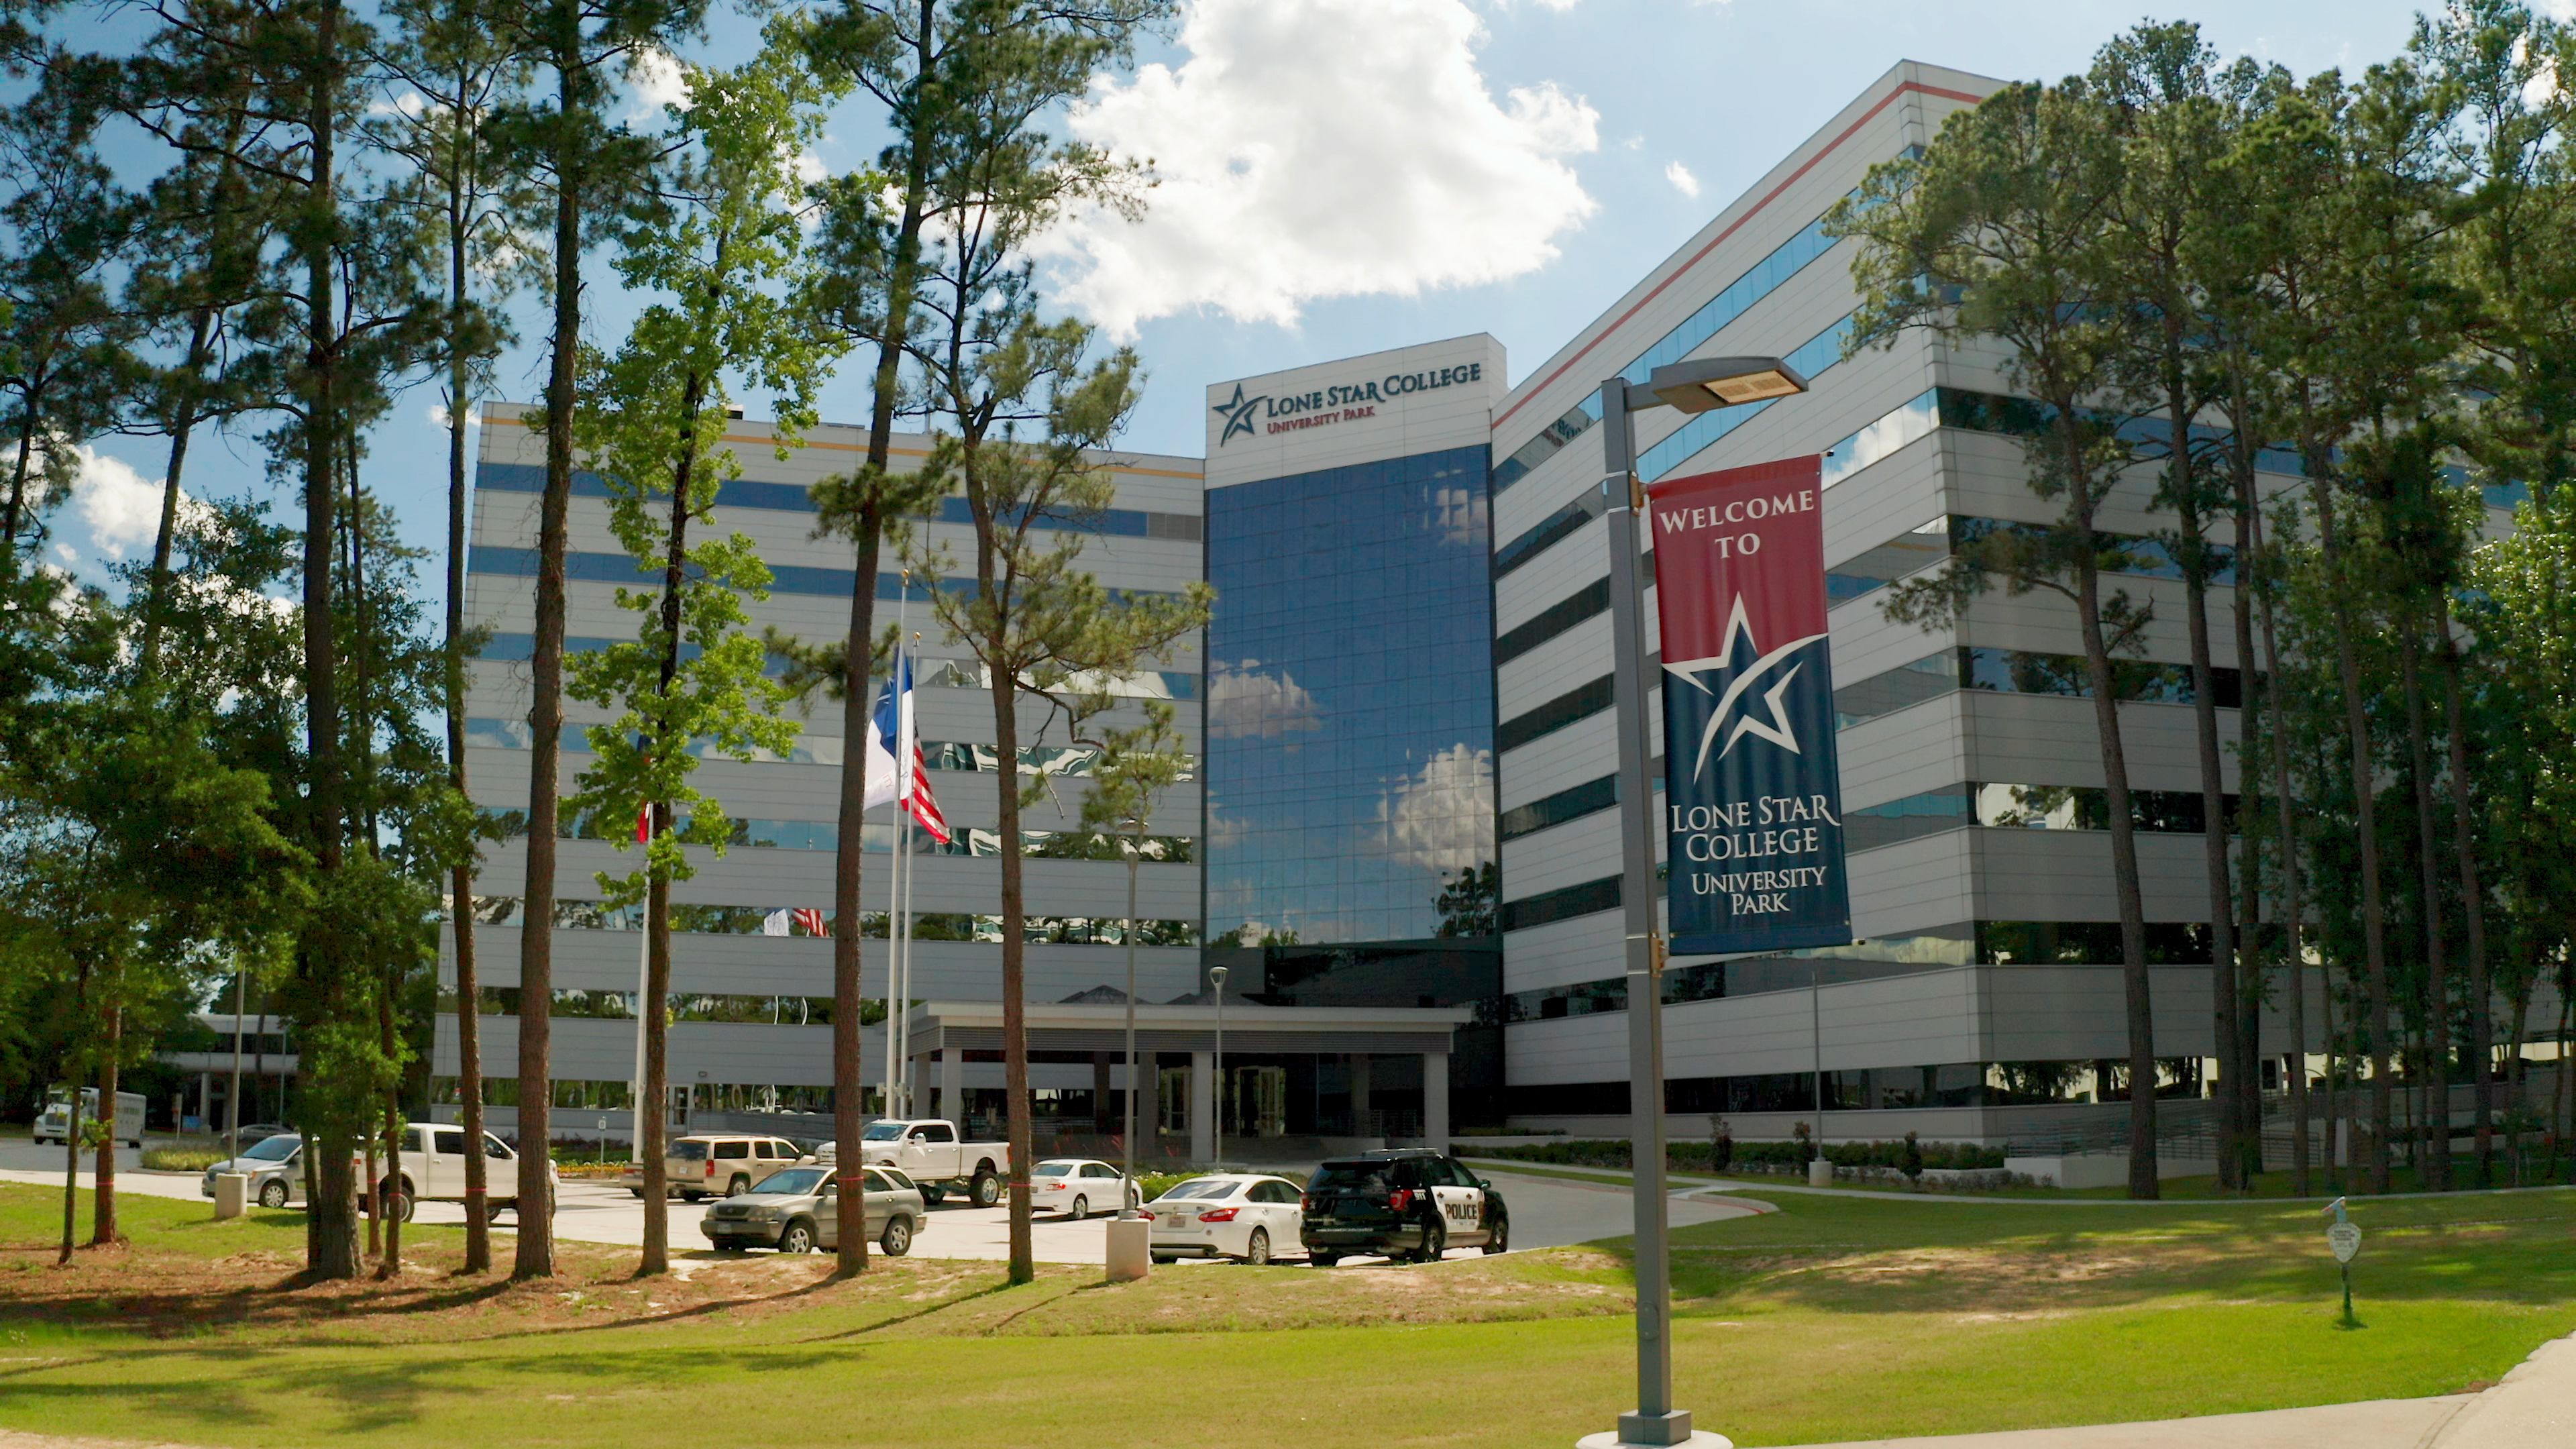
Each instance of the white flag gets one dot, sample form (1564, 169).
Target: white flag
(775, 923)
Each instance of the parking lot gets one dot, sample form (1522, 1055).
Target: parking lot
(1546, 1212)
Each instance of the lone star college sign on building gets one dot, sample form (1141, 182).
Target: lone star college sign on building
(1752, 785)
(1260, 413)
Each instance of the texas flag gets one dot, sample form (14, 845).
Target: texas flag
(896, 770)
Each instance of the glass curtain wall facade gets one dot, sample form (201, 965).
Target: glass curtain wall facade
(1350, 706)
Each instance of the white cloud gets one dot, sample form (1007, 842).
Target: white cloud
(2557, 9)
(438, 416)
(121, 507)
(657, 80)
(1244, 703)
(1297, 164)
(1682, 179)
(1441, 817)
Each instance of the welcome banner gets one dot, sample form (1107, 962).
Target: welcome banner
(1752, 786)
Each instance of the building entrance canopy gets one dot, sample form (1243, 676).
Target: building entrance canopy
(1338, 1042)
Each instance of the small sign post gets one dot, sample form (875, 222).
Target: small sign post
(2344, 1237)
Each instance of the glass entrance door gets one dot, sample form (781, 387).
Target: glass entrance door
(1256, 1101)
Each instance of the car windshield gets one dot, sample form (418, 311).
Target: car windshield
(1350, 1177)
(882, 1132)
(1056, 1169)
(1200, 1188)
(273, 1149)
(794, 1182)
(689, 1151)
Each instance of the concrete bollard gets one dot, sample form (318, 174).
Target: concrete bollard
(232, 1195)
(1820, 1172)
(1131, 1254)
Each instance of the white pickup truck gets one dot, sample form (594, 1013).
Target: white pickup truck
(927, 1151)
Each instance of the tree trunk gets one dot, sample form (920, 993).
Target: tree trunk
(2435, 1166)
(15, 512)
(332, 1243)
(1015, 1026)
(2224, 988)
(536, 1250)
(2473, 909)
(651, 1012)
(849, 1076)
(2293, 955)
(2374, 914)
(156, 602)
(102, 1229)
(389, 1267)
(72, 1123)
(652, 1126)
(2137, 985)
(460, 912)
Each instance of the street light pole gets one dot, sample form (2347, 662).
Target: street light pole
(1699, 385)
(1655, 1420)
(1216, 1094)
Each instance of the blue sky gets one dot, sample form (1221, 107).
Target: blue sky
(1348, 175)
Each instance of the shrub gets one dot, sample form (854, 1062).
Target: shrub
(181, 1159)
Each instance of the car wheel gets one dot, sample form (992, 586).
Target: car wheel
(896, 1240)
(799, 1238)
(688, 1196)
(1256, 1251)
(1500, 1239)
(1323, 1260)
(1081, 1207)
(639, 1193)
(932, 1196)
(1164, 1257)
(1435, 1241)
(397, 1203)
(985, 1187)
(737, 1185)
(272, 1194)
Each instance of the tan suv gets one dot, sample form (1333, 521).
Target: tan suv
(719, 1164)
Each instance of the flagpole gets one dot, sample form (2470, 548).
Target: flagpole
(898, 1071)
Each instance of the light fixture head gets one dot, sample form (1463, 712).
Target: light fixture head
(1703, 384)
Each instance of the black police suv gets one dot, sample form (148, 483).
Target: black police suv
(1406, 1202)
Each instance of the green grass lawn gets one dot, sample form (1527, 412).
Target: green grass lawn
(1834, 1318)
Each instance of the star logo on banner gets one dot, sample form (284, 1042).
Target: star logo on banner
(1237, 412)
(1737, 714)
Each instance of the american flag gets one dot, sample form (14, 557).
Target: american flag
(810, 919)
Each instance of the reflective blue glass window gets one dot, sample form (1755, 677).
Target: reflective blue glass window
(1350, 705)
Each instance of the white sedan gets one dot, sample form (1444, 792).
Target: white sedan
(1077, 1187)
(1240, 1215)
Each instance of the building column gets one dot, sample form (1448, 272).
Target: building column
(206, 1101)
(952, 1087)
(1435, 1100)
(1358, 1068)
(1104, 1114)
(1202, 1106)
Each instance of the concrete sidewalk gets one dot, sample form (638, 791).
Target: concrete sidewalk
(2534, 1407)
(2372, 1424)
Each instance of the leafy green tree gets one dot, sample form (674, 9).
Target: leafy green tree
(585, 164)
(66, 357)
(653, 422)
(2495, 68)
(1999, 230)
(970, 89)
(2159, 86)
(465, 68)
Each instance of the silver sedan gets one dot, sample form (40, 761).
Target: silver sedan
(797, 1210)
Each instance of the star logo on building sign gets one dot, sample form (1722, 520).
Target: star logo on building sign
(1237, 412)
(1738, 713)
